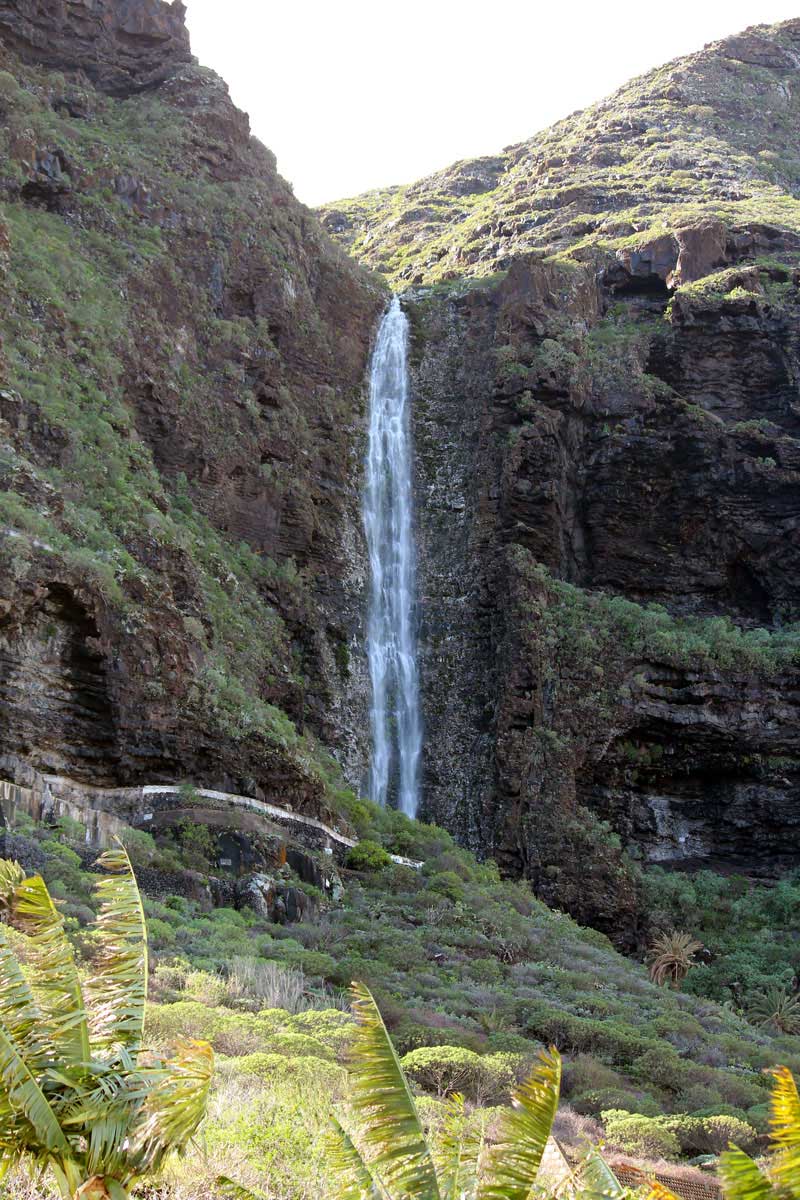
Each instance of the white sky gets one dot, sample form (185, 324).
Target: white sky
(356, 94)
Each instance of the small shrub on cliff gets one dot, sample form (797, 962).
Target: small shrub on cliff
(368, 856)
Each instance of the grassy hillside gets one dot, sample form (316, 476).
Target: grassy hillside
(473, 968)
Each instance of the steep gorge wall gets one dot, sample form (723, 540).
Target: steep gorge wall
(586, 453)
(182, 396)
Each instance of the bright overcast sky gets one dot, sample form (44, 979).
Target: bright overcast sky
(356, 94)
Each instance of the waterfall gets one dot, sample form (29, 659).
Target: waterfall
(391, 641)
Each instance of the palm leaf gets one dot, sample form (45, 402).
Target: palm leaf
(355, 1181)
(459, 1152)
(25, 1097)
(594, 1177)
(659, 1192)
(382, 1099)
(11, 876)
(57, 985)
(118, 987)
(785, 1130)
(19, 1013)
(515, 1158)
(174, 1107)
(741, 1177)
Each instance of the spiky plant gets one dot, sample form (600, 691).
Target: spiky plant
(777, 1007)
(79, 1098)
(671, 957)
(393, 1161)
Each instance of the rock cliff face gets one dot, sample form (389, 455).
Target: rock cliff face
(606, 433)
(607, 502)
(181, 414)
(123, 46)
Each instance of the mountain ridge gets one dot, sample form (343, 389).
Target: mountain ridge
(586, 184)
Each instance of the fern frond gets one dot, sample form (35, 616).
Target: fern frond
(354, 1179)
(389, 1122)
(57, 986)
(118, 987)
(515, 1158)
(742, 1178)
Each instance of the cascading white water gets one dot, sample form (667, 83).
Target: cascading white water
(391, 639)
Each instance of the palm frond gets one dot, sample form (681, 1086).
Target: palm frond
(354, 1179)
(659, 1192)
(175, 1106)
(25, 1097)
(460, 1148)
(11, 876)
(19, 1013)
(57, 984)
(514, 1160)
(784, 1123)
(118, 986)
(390, 1125)
(594, 1178)
(742, 1178)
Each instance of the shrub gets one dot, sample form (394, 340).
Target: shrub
(187, 1018)
(642, 1136)
(758, 1116)
(271, 984)
(485, 1079)
(663, 1067)
(593, 1102)
(368, 856)
(443, 1069)
(586, 1073)
(720, 1131)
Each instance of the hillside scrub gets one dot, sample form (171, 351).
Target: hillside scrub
(460, 960)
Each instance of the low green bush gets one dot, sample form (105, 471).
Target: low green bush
(368, 856)
(638, 1135)
(485, 1079)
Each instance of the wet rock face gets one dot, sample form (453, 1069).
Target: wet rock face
(123, 46)
(650, 455)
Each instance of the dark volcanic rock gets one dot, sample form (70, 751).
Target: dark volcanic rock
(628, 452)
(123, 46)
(182, 420)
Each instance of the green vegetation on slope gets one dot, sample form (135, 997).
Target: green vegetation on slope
(458, 958)
(709, 136)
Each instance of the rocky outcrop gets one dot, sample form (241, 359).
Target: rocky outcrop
(123, 46)
(606, 395)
